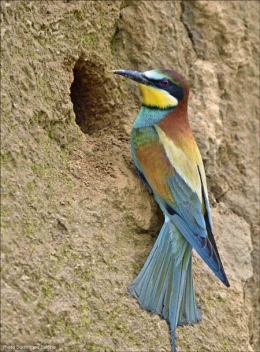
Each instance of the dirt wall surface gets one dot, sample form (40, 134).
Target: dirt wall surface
(77, 223)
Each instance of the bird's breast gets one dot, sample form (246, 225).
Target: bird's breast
(149, 156)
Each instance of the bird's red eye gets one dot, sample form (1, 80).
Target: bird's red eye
(165, 82)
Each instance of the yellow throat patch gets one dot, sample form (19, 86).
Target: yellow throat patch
(157, 97)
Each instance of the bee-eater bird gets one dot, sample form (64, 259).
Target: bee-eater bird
(168, 159)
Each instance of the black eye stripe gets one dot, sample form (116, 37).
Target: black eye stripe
(172, 88)
(175, 90)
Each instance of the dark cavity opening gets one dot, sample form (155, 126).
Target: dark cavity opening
(89, 95)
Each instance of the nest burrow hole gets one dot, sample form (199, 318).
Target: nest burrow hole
(89, 96)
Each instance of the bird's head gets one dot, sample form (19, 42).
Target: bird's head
(160, 88)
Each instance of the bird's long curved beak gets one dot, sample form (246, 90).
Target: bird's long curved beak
(134, 75)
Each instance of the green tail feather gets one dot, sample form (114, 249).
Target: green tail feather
(165, 284)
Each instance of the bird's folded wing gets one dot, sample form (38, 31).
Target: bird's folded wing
(186, 213)
(185, 204)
